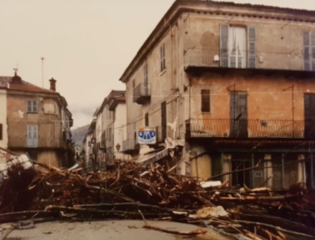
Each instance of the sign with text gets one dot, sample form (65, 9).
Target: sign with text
(147, 135)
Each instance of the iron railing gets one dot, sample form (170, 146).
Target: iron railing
(205, 57)
(142, 93)
(227, 128)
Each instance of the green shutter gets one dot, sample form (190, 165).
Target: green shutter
(224, 34)
(251, 47)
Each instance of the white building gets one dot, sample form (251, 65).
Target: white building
(111, 129)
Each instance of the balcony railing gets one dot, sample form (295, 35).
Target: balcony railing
(142, 93)
(227, 128)
(204, 57)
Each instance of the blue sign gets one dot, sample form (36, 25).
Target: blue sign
(147, 136)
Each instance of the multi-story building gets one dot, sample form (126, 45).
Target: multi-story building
(112, 127)
(38, 122)
(3, 115)
(89, 144)
(236, 82)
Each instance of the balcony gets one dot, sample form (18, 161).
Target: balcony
(129, 146)
(205, 58)
(142, 93)
(271, 129)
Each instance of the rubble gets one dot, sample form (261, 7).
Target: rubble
(133, 191)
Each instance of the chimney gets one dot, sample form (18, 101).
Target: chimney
(16, 78)
(52, 84)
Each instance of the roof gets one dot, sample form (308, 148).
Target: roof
(180, 6)
(23, 86)
(119, 95)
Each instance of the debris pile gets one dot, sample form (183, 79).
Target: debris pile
(131, 191)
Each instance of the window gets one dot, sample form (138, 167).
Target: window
(32, 136)
(162, 56)
(237, 46)
(133, 83)
(109, 134)
(309, 51)
(145, 74)
(146, 119)
(1, 132)
(205, 100)
(31, 106)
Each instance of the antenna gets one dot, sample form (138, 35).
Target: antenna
(42, 71)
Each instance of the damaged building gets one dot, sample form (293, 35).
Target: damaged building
(37, 121)
(236, 82)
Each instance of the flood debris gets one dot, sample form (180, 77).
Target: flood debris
(133, 191)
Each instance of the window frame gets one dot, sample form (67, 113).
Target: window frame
(162, 58)
(32, 106)
(205, 103)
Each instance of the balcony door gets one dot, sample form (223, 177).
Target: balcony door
(238, 113)
(237, 47)
(309, 115)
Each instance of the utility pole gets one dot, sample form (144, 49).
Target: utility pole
(42, 71)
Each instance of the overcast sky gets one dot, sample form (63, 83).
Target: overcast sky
(87, 44)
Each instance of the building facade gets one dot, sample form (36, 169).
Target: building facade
(3, 116)
(235, 81)
(112, 118)
(38, 122)
(89, 146)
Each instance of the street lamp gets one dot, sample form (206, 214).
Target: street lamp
(118, 147)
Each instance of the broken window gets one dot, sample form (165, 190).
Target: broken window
(32, 106)
(205, 100)
(162, 56)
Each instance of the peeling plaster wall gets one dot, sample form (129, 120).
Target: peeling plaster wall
(266, 97)
(49, 125)
(3, 118)
(279, 43)
(49, 158)
(165, 86)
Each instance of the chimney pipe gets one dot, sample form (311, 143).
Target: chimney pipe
(52, 84)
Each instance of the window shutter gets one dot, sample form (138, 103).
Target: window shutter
(306, 51)
(205, 100)
(29, 106)
(161, 57)
(251, 47)
(224, 34)
(35, 106)
(313, 50)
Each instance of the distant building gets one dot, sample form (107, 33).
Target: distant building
(236, 83)
(111, 129)
(38, 122)
(89, 146)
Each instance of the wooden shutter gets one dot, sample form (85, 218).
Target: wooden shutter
(205, 100)
(35, 135)
(34, 107)
(251, 47)
(29, 106)
(306, 51)
(312, 50)
(224, 34)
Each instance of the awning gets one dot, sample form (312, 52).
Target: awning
(153, 157)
